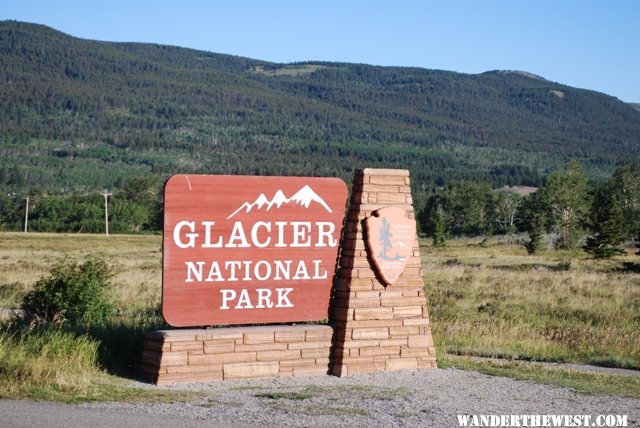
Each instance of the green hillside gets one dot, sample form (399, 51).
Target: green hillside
(83, 115)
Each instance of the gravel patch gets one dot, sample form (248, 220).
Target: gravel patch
(393, 399)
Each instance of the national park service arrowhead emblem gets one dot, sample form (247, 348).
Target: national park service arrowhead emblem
(390, 238)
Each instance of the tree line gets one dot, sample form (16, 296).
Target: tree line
(135, 207)
(568, 210)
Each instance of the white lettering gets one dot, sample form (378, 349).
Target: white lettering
(244, 302)
(207, 235)
(214, 273)
(227, 295)
(254, 234)
(192, 236)
(281, 225)
(233, 266)
(237, 234)
(316, 270)
(282, 298)
(325, 231)
(264, 298)
(296, 234)
(247, 271)
(262, 270)
(283, 269)
(301, 271)
(197, 272)
(301, 236)
(267, 273)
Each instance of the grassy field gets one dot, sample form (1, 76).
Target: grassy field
(496, 301)
(487, 298)
(136, 260)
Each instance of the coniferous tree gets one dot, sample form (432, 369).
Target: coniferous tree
(606, 222)
(439, 233)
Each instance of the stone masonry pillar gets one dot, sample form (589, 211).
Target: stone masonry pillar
(378, 327)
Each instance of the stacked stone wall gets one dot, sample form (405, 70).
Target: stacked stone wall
(239, 352)
(378, 327)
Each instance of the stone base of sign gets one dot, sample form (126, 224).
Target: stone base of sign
(239, 352)
(378, 327)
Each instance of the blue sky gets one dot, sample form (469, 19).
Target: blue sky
(582, 43)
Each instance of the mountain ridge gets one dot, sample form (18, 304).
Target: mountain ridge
(81, 114)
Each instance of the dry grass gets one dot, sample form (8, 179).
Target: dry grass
(136, 260)
(486, 299)
(558, 306)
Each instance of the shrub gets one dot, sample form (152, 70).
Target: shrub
(73, 293)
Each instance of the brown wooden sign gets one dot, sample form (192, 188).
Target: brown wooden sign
(390, 237)
(244, 250)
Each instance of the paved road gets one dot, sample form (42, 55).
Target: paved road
(31, 414)
(411, 398)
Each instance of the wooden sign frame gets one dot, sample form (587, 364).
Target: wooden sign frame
(248, 249)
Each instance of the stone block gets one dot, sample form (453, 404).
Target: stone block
(373, 313)
(381, 350)
(313, 370)
(316, 353)
(219, 346)
(365, 295)
(391, 198)
(210, 368)
(287, 336)
(394, 180)
(236, 357)
(278, 355)
(364, 303)
(348, 344)
(272, 346)
(187, 346)
(407, 311)
(258, 337)
(310, 345)
(383, 171)
(400, 341)
(319, 334)
(401, 363)
(404, 330)
(370, 333)
(355, 369)
(250, 370)
(164, 379)
(221, 334)
(420, 341)
(374, 323)
(415, 322)
(403, 301)
(285, 364)
(174, 358)
(414, 352)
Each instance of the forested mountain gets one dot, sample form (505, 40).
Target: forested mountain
(81, 115)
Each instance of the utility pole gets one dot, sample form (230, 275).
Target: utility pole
(106, 194)
(26, 215)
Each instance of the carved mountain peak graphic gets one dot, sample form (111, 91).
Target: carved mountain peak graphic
(304, 197)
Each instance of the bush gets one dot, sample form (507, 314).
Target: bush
(73, 293)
